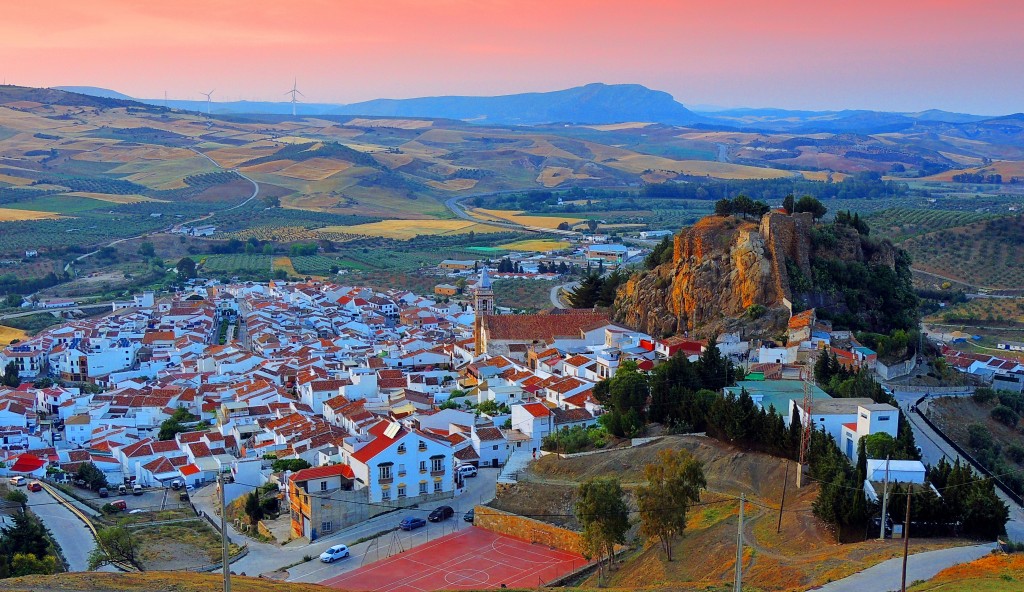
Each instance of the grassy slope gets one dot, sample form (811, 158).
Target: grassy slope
(993, 573)
(803, 555)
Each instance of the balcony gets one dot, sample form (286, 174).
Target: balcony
(386, 480)
(437, 472)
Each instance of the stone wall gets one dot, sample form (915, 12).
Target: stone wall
(528, 529)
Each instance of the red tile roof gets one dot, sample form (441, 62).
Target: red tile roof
(379, 443)
(541, 326)
(322, 472)
(537, 409)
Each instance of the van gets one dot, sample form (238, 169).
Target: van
(17, 481)
(136, 489)
(122, 490)
(121, 505)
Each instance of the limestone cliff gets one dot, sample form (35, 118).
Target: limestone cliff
(724, 265)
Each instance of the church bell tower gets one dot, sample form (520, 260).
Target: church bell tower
(483, 305)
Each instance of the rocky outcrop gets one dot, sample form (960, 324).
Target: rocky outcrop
(722, 266)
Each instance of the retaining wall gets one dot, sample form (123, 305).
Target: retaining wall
(528, 529)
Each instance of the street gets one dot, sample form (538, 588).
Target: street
(71, 534)
(934, 448)
(922, 566)
(265, 558)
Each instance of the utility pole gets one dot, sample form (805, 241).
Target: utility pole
(785, 483)
(224, 534)
(906, 540)
(739, 548)
(885, 500)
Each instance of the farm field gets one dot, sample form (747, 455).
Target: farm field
(285, 263)
(541, 245)
(8, 334)
(236, 262)
(982, 311)
(407, 229)
(519, 217)
(117, 199)
(985, 254)
(901, 223)
(14, 215)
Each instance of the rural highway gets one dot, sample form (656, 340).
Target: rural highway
(255, 185)
(452, 204)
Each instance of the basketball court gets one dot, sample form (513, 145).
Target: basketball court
(472, 558)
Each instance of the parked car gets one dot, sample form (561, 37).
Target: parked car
(35, 486)
(136, 489)
(80, 483)
(17, 481)
(334, 553)
(122, 489)
(119, 505)
(441, 513)
(176, 484)
(104, 492)
(470, 515)
(183, 496)
(467, 471)
(411, 523)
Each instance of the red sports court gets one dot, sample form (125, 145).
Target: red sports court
(472, 558)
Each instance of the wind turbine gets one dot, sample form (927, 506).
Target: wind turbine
(207, 95)
(295, 91)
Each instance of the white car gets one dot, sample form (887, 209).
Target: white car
(334, 553)
(467, 471)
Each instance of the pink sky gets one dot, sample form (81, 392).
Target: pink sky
(897, 54)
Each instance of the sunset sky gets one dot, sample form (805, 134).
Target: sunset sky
(896, 55)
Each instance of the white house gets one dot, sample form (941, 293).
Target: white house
(400, 465)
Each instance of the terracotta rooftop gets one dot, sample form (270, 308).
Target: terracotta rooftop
(541, 327)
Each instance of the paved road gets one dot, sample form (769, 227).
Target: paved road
(74, 538)
(452, 204)
(934, 448)
(923, 566)
(255, 185)
(556, 291)
(265, 558)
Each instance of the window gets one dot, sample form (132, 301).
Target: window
(437, 464)
(401, 470)
(423, 445)
(423, 466)
(385, 471)
(401, 491)
(423, 488)
(401, 448)
(323, 486)
(437, 486)
(385, 495)
(326, 527)
(883, 418)
(495, 446)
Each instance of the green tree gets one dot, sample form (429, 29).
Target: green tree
(880, 445)
(25, 534)
(289, 464)
(253, 507)
(147, 250)
(24, 564)
(592, 224)
(14, 300)
(673, 483)
(115, 544)
(662, 253)
(788, 203)
(812, 205)
(11, 377)
(17, 496)
(626, 399)
(601, 509)
(93, 477)
(172, 426)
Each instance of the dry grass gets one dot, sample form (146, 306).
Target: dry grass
(10, 215)
(638, 163)
(8, 334)
(285, 263)
(108, 197)
(613, 127)
(409, 124)
(453, 184)
(823, 176)
(19, 181)
(1007, 168)
(315, 169)
(555, 176)
(407, 229)
(992, 573)
(518, 217)
(539, 245)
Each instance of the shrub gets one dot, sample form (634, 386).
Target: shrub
(1005, 416)
(983, 395)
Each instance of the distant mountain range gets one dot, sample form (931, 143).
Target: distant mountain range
(590, 104)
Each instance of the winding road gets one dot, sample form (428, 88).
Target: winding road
(255, 185)
(452, 204)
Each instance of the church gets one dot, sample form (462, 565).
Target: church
(515, 335)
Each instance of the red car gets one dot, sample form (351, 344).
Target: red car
(35, 486)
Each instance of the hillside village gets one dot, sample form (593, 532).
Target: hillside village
(342, 376)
